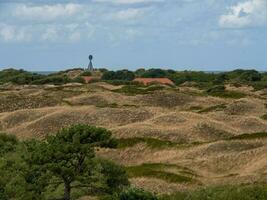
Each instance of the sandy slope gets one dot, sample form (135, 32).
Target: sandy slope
(169, 115)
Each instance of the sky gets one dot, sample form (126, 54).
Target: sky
(210, 35)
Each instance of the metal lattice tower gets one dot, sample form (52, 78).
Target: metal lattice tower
(90, 66)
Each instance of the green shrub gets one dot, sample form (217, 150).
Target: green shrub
(135, 90)
(7, 143)
(155, 73)
(156, 171)
(125, 75)
(247, 192)
(250, 136)
(53, 79)
(136, 194)
(115, 176)
(151, 142)
(216, 89)
(213, 108)
(86, 73)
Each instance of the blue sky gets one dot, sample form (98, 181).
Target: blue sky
(41, 35)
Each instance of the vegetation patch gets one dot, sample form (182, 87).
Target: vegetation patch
(132, 90)
(213, 108)
(249, 136)
(151, 142)
(157, 171)
(229, 94)
(264, 117)
(242, 192)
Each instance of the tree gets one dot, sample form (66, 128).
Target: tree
(132, 194)
(68, 155)
(7, 143)
(124, 75)
(154, 73)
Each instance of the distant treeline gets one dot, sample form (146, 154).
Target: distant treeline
(238, 77)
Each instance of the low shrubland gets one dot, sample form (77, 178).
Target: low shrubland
(246, 136)
(160, 171)
(242, 192)
(135, 90)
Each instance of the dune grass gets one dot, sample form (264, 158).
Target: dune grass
(151, 142)
(241, 192)
(213, 108)
(264, 117)
(132, 90)
(228, 94)
(156, 170)
(250, 136)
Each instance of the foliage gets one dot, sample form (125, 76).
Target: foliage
(213, 108)
(68, 155)
(53, 79)
(132, 194)
(219, 91)
(125, 75)
(154, 171)
(18, 76)
(121, 82)
(151, 142)
(154, 73)
(264, 117)
(7, 143)
(115, 176)
(259, 135)
(86, 73)
(216, 89)
(246, 192)
(135, 90)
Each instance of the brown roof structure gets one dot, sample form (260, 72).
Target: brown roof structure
(89, 79)
(147, 81)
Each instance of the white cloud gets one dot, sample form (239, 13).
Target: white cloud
(51, 34)
(128, 14)
(128, 1)
(46, 12)
(9, 33)
(245, 14)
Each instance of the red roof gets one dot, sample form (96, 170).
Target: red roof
(88, 79)
(146, 81)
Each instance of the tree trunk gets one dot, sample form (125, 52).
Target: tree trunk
(66, 191)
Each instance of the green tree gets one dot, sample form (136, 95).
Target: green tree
(124, 75)
(154, 73)
(68, 155)
(7, 143)
(132, 194)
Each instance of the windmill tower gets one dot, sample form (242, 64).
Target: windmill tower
(90, 66)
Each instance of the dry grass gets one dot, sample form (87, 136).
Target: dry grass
(220, 140)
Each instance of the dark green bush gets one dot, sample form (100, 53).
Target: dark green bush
(125, 75)
(132, 194)
(53, 79)
(86, 73)
(155, 73)
(249, 192)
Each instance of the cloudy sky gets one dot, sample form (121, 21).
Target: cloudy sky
(42, 35)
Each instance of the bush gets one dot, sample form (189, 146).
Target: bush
(154, 73)
(125, 75)
(53, 79)
(20, 77)
(7, 143)
(250, 192)
(132, 194)
(86, 73)
(115, 176)
(215, 89)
